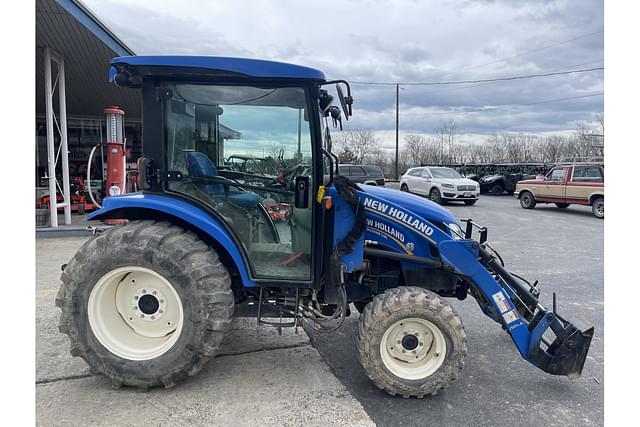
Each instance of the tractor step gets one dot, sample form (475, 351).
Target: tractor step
(286, 319)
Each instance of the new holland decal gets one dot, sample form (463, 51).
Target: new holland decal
(387, 231)
(399, 216)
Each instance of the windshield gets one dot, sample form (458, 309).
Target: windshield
(444, 173)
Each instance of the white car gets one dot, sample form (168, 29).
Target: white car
(440, 184)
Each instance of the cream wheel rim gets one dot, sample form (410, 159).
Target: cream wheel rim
(135, 313)
(413, 348)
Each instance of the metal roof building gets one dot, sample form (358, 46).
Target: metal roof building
(73, 51)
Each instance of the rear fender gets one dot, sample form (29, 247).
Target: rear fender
(141, 206)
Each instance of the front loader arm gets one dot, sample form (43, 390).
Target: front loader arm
(503, 297)
(565, 355)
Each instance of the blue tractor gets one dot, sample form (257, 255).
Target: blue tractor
(148, 302)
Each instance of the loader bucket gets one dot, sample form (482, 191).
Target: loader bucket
(567, 353)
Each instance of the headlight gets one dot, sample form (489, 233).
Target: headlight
(447, 185)
(456, 231)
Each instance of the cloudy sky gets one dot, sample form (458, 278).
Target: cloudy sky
(406, 42)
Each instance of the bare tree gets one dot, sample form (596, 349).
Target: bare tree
(354, 146)
(445, 139)
(414, 150)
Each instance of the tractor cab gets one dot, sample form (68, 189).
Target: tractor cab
(204, 114)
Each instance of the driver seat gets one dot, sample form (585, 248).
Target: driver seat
(200, 166)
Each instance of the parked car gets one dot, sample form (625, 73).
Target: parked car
(565, 185)
(363, 174)
(499, 183)
(440, 184)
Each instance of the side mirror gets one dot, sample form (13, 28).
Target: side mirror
(345, 101)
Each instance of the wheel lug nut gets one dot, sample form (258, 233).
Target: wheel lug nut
(135, 307)
(142, 316)
(144, 291)
(403, 350)
(421, 343)
(136, 297)
(154, 292)
(153, 317)
(160, 311)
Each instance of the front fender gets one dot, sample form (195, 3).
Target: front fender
(128, 205)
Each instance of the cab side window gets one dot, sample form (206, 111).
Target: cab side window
(357, 171)
(556, 175)
(587, 173)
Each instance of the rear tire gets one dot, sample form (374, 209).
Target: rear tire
(497, 189)
(405, 320)
(435, 196)
(562, 205)
(527, 200)
(597, 207)
(188, 304)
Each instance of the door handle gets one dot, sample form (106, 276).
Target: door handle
(301, 192)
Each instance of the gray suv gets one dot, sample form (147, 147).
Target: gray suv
(362, 174)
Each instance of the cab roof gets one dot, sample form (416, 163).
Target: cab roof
(214, 66)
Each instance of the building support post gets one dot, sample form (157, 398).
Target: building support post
(64, 149)
(61, 126)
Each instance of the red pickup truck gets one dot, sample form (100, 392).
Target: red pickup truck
(564, 185)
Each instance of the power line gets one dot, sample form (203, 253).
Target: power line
(490, 83)
(497, 107)
(497, 79)
(526, 52)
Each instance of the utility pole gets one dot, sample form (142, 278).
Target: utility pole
(397, 123)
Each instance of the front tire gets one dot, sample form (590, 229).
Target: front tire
(527, 201)
(404, 188)
(497, 189)
(145, 304)
(435, 196)
(411, 342)
(597, 207)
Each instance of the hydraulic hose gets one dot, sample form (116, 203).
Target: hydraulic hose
(93, 150)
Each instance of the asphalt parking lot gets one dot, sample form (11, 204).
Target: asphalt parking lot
(564, 250)
(266, 379)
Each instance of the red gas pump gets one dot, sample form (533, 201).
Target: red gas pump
(116, 152)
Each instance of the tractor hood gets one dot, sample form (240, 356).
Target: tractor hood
(419, 205)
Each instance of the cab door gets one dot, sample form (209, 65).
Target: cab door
(555, 185)
(425, 181)
(271, 218)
